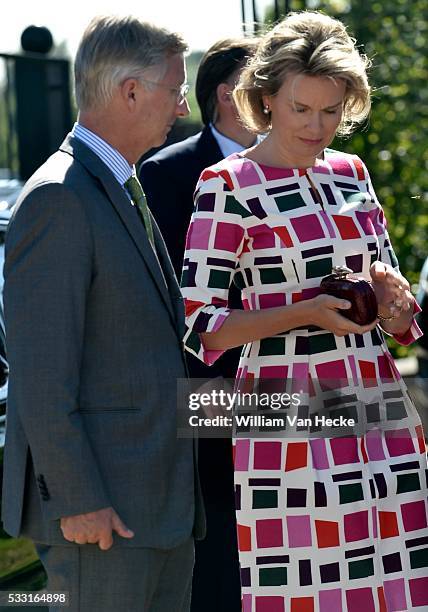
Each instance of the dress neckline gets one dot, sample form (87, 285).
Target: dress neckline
(322, 163)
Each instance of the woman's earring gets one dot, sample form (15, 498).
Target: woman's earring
(266, 110)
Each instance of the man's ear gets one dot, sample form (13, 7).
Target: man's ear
(224, 94)
(130, 91)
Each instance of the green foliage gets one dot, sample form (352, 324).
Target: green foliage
(393, 144)
(3, 130)
(15, 555)
(8, 139)
(192, 63)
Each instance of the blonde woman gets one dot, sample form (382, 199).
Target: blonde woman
(325, 523)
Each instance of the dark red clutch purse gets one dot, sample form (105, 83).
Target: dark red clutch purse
(356, 290)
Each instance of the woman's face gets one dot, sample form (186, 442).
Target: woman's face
(305, 114)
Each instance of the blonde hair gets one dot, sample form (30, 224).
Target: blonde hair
(307, 43)
(115, 48)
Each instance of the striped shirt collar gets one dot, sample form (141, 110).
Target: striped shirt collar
(114, 161)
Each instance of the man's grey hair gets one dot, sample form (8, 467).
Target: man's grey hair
(113, 49)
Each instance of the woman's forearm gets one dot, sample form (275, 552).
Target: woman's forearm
(243, 326)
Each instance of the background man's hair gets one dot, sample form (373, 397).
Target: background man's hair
(218, 65)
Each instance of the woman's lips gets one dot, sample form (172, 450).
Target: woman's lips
(311, 141)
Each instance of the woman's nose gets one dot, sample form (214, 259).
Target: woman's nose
(315, 121)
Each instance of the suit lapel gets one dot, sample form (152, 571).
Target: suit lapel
(170, 278)
(207, 148)
(124, 209)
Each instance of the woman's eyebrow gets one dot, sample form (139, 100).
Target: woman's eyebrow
(306, 106)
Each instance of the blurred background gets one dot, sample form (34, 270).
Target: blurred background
(37, 110)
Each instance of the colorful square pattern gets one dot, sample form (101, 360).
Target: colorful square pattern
(325, 524)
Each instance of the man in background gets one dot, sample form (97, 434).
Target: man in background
(94, 472)
(169, 179)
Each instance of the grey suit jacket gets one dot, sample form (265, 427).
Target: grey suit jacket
(94, 327)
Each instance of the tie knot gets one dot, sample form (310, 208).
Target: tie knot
(133, 186)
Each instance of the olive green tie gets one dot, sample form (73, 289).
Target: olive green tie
(133, 186)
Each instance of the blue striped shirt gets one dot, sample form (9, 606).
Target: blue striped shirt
(114, 161)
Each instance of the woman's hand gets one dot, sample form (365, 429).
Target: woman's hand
(323, 312)
(392, 290)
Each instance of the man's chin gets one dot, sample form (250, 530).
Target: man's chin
(162, 139)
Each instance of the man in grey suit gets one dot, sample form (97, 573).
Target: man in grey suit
(94, 472)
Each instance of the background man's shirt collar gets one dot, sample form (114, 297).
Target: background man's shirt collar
(227, 145)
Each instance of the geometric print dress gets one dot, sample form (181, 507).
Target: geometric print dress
(325, 524)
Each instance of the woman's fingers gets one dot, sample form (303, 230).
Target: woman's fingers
(332, 302)
(396, 282)
(382, 272)
(410, 300)
(392, 290)
(378, 270)
(332, 319)
(346, 326)
(363, 329)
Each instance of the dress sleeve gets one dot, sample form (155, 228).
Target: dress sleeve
(214, 242)
(387, 255)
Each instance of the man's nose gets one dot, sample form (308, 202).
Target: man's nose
(183, 109)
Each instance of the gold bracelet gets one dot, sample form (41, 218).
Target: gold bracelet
(385, 318)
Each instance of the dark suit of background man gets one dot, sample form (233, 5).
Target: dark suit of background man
(94, 472)
(169, 179)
